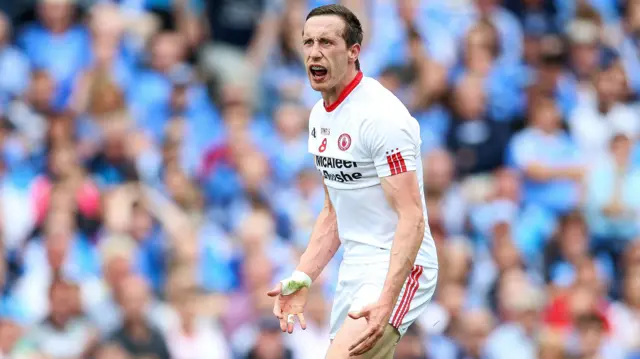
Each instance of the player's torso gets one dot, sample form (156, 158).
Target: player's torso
(340, 154)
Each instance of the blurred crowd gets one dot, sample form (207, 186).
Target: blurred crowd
(155, 181)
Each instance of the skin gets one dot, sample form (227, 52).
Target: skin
(323, 45)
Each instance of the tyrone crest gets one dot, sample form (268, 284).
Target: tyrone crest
(344, 141)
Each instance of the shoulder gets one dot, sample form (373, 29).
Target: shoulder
(508, 18)
(317, 110)
(378, 105)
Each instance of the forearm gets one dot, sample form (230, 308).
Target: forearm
(404, 250)
(323, 245)
(542, 173)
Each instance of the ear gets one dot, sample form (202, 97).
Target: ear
(354, 52)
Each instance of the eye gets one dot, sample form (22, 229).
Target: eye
(307, 42)
(325, 42)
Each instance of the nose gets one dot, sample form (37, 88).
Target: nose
(315, 53)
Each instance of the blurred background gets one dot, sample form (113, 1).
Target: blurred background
(155, 181)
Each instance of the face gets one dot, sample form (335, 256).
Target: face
(621, 148)
(269, 345)
(585, 57)
(478, 53)
(257, 270)
(141, 224)
(289, 121)
(133, 299)
(439, 170)
(508, 185)
(327, 57)
(632, 290)
(486, 6)
(10, 334)
(476, 327)
(42, 89)
(62, 161)
(608, 87)
(470, 98)
(167, 51)
(4, 29)
(62, 299)
(55, 15)
(410, 347)
(590, 339)
(582, 301)
(452, 297)
(573, 240)
(546, 116)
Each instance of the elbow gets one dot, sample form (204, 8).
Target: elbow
(414, 219)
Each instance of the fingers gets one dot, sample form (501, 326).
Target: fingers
(288, 321)
(367, 333)
(367, 344)
(277, 311)
(283, 322)
(303, 323)
(291, 321)
(275, 291)
(361, 314)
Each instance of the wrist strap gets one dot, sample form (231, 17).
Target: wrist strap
(297, 281)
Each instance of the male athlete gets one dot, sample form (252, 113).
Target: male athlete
(367, 147)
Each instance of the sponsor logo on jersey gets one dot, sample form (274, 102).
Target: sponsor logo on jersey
(328, 162)
(325, 163)
(342, 177)
(344, 141)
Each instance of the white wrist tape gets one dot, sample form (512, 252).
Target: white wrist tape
(297, 281)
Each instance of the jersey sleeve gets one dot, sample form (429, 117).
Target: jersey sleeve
(393, 144)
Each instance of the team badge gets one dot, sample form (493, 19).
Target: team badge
(344, 141)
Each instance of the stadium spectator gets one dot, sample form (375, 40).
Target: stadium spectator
(137, 336)
(63, 334)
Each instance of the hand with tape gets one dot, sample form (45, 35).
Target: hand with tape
(290, 300)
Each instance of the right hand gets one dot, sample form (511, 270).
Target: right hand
(287, 307)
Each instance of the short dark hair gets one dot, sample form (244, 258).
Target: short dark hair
(353, 33)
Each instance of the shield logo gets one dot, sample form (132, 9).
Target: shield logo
(344, 141)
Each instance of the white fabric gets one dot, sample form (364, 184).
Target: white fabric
(360, 285)
(625, 325)
(364, 138)
(593, 130)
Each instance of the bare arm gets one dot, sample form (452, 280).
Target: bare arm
(403, 194)
(543, 173)
(324, 241)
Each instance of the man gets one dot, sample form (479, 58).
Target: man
(366, 145)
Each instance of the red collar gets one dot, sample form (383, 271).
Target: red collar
(347, 90)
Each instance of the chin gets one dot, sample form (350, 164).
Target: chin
(319, 86)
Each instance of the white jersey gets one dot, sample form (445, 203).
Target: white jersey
(365, 135)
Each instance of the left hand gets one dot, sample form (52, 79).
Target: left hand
(377, 316)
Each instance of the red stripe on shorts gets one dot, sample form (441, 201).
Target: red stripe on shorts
(409, 292)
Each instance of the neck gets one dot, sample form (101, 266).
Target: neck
(548, 130)
(604, 107)
(188, 327)
(137, 329)
(331, 96)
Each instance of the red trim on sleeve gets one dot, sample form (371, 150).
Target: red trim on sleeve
(347, 90)
(392, 164)
(403, 166)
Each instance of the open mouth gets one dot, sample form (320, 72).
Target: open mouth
(318, 72)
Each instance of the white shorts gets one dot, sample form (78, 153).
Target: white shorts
(361, 284)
